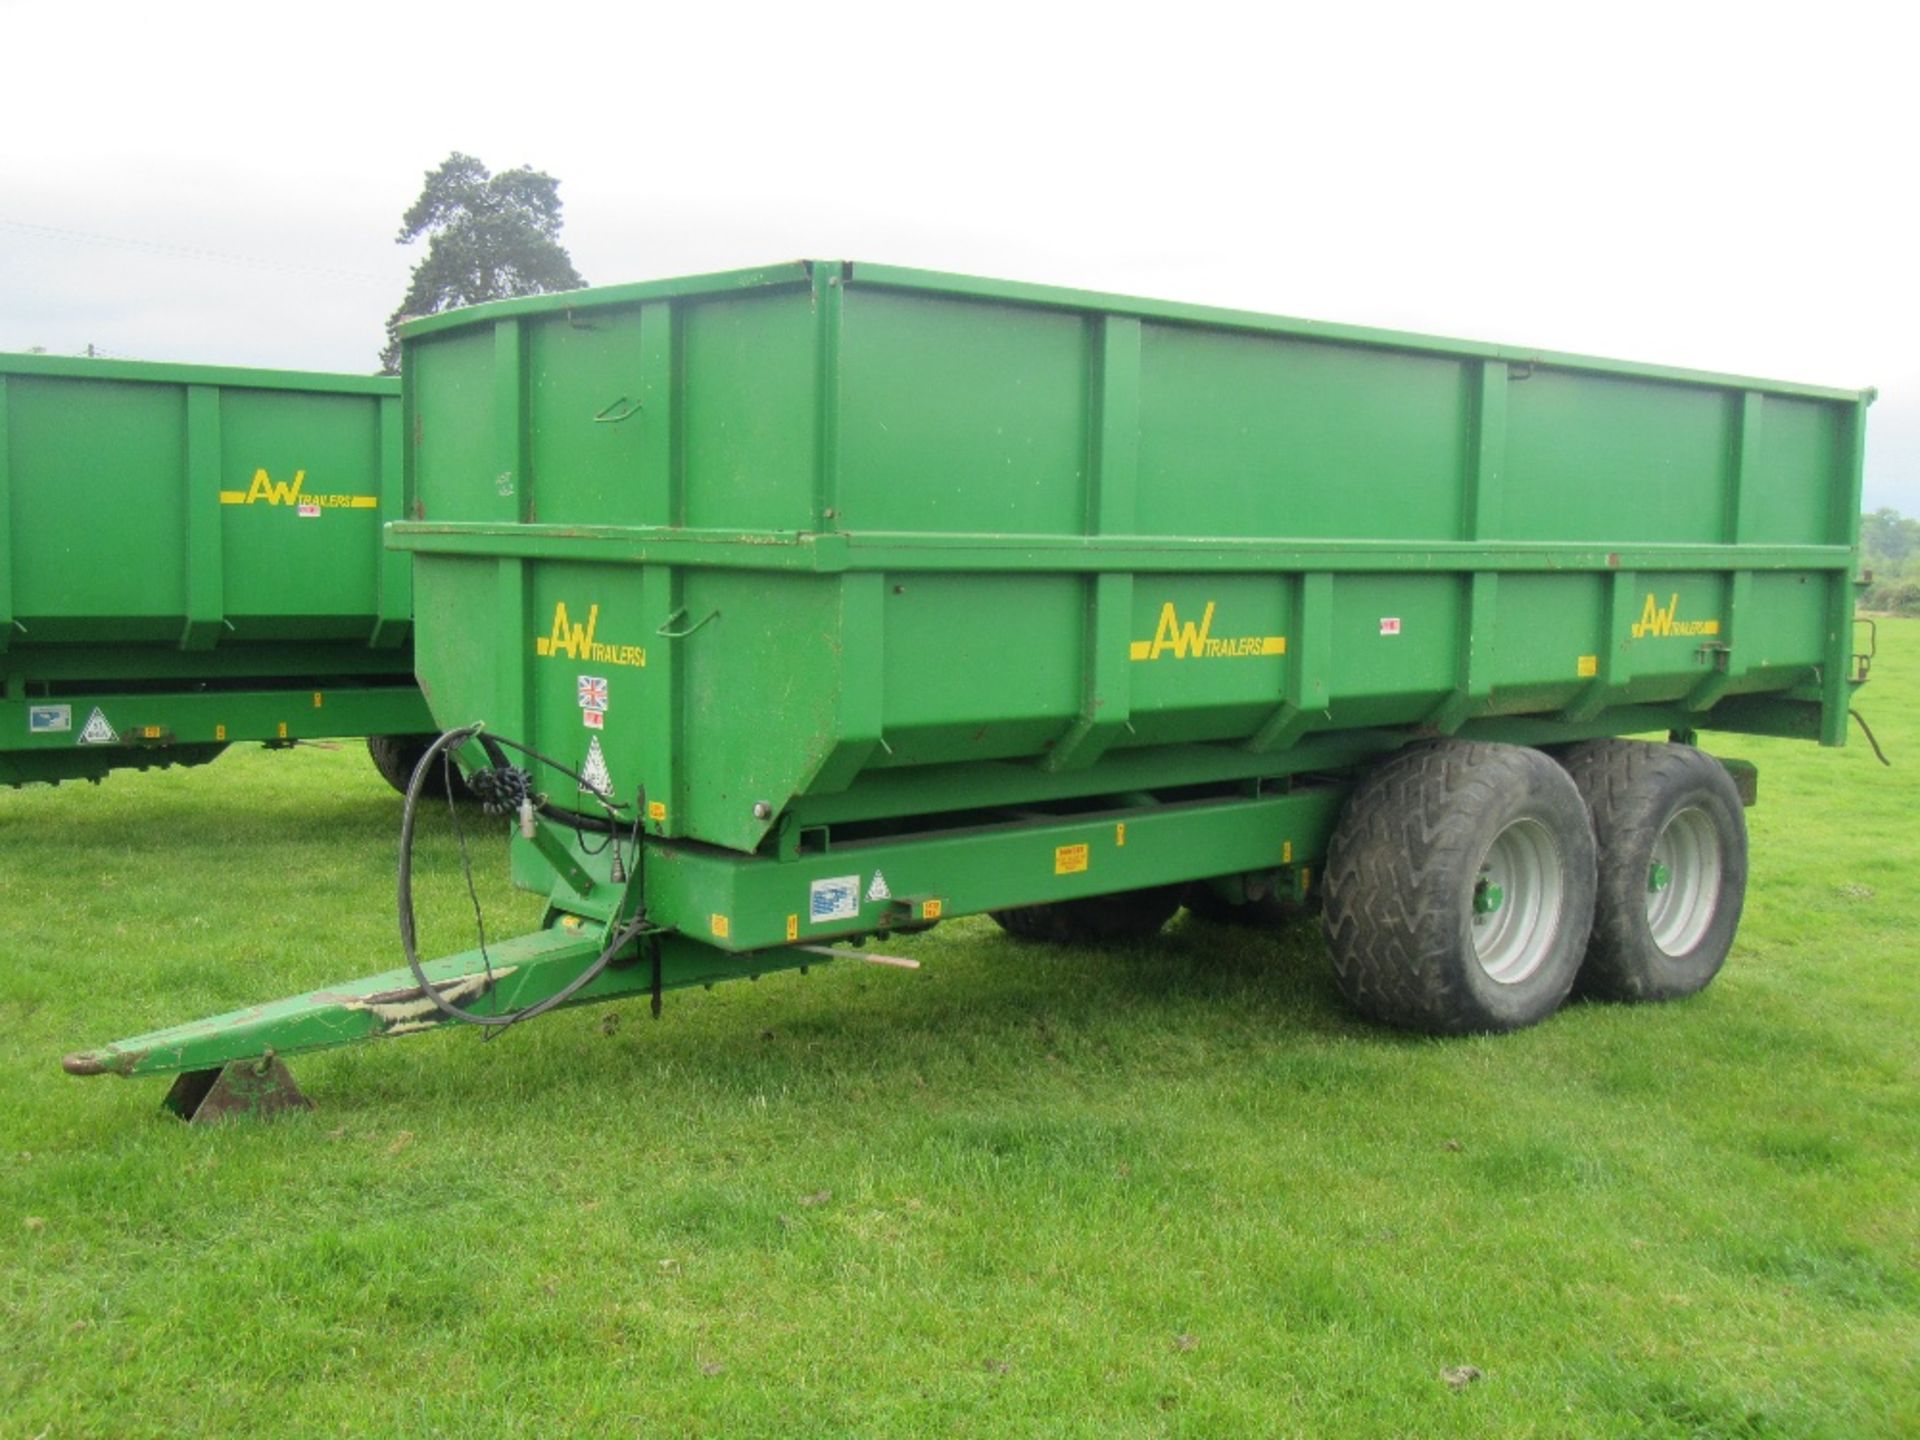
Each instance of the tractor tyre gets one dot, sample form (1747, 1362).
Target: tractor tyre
(1459, 889)
(1116, 919)
(1673, 867)
(397, 756)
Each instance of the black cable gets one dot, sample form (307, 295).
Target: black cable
(1870, 740)
(574, 820)
(444, 744)
(618, 873)
(585, 784)
(502, 787)
(466, 869)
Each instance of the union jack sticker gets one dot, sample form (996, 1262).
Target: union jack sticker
(593, 692)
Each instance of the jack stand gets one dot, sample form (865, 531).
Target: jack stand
(240, 1090)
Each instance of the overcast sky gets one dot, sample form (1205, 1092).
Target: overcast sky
(1731, 187)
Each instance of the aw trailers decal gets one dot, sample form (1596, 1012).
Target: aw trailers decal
(569, 639)
(265, 490)
(1190, 641)
(1656, 622)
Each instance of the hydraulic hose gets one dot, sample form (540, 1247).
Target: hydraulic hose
(442, 746)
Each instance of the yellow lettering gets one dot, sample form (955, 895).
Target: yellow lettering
(573, 641)
(1190, 641)
(1183, 640)
(275, 492)
(1660, 622)
(265, 488)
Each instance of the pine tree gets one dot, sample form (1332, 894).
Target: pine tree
(488, 237)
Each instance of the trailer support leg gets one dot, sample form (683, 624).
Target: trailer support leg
(242, 1090)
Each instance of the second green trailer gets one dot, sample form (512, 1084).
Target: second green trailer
(190, 557)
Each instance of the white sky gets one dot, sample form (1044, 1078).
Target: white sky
(1725, 186)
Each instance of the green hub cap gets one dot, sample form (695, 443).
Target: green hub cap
(1487, 898)
(1659, 877)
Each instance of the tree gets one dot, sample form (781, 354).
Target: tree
(1887, 540)
(488, 237)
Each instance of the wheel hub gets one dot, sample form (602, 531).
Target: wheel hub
(1684, 881)
(1516, 902)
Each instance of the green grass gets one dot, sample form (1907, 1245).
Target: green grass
(1171, 1190)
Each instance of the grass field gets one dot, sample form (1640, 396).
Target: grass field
(1171, 1190)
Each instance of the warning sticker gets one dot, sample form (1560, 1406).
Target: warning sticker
(97, 731)
(878, 889)
(593, 770)
(309, 510)
(835, 899)
(1069, 859)
(1389, 624)
(594, 719)
(1588, 666)
(49, 719)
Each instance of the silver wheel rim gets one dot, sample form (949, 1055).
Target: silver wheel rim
(1516, 902)
(1683, 881)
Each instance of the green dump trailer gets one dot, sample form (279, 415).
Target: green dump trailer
(786, 609)
(190, 557)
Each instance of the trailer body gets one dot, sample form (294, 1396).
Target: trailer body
(851, 599)
(843, 547)
(191, 556)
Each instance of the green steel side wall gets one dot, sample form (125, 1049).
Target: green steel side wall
(118, 552)
(859, 520)
(155, 564)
